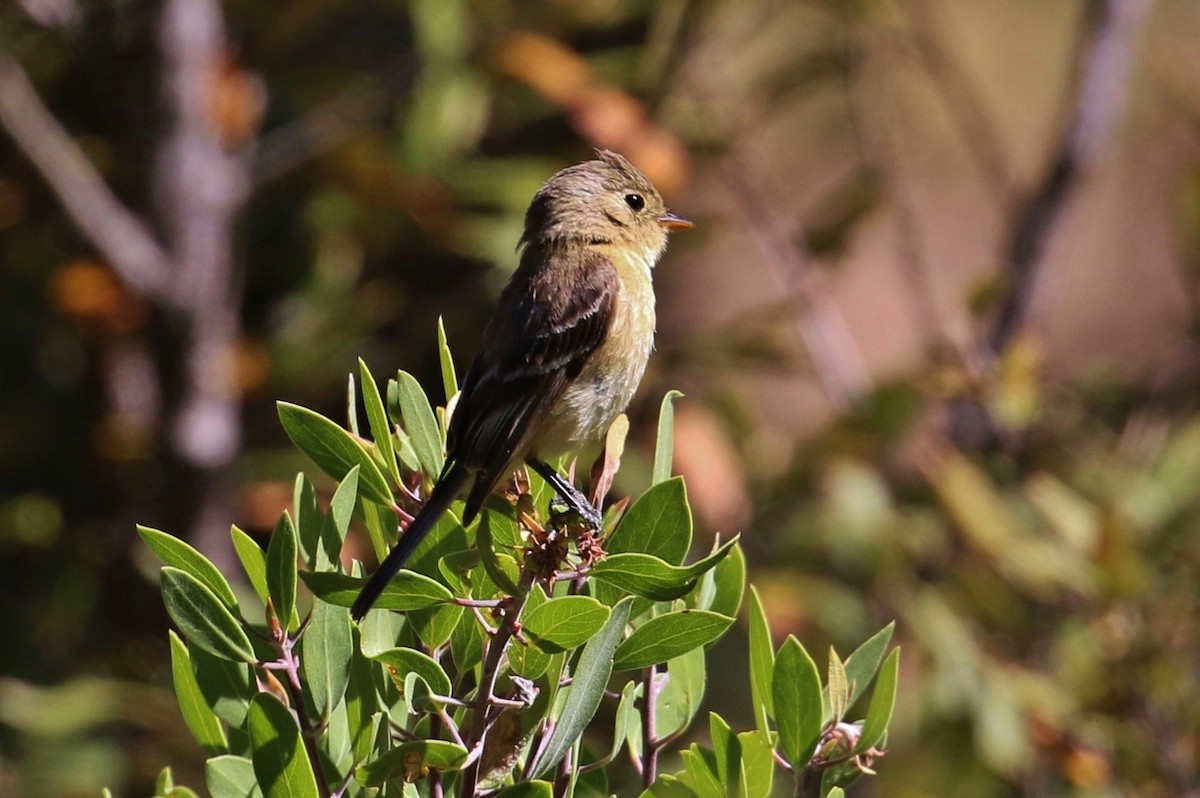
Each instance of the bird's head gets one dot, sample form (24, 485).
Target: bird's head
(602, 201)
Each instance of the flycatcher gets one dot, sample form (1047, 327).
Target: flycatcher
(564, 351)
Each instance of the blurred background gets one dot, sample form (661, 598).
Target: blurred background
(937, 331)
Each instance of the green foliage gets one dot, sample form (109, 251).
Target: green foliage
(508, 646)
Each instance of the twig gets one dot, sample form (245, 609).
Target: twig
(484, 697)
(650, 744)
(122, 238)
(1112, 32)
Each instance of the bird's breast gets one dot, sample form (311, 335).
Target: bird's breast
(612, 374)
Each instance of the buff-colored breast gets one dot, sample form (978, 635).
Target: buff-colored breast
(612, 374)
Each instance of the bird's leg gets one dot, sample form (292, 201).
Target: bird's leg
(568, 492)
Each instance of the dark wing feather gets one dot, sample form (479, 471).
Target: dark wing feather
(550, 320)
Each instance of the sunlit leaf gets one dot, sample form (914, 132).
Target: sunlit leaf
(281, 764)
(420, 424)
(762, 663)
(199, 717)
(381, 428)
(173, 551)
(883, 701)
(202, 618)
(564, 623)
(668, 636)
(231, 776)
(664, 448)
(406, 591)
(796, 694)
(411, 758)
(587, 688)
(333, 449)
(325, 655)
(281, 569)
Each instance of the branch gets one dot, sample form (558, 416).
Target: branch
(122, 238)
(497, 645)
(1113, 29)
(200, 186)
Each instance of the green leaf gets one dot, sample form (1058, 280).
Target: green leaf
(701, 772)
(528, 789)
(226, 686)
(626, 723)
(762, 664)
(668, 786)
(164, 783)
(669, 635)
(680, 698)
(380, 522)
(836, 792)
(281, 764)
(420, 424)
(837, 688)
(796, 695)
(664, 449)
(281, 570)
(727, 750)
(309, 518)
(362, 700)
(862, 664)
(199, 717)
(658, 523)
(435, 625)
(202, 618)
(407, 591)
(231, 777)
(254, 562)
(883, 701)
(411, 757)
(500, 568)
(352, 406)
(758, 764)
(721, 589)
(449, 378)
(446, 537)
(381, 428)
(334, 450)
(466, 645)
(587, 688)
(173, 551)
(650, 577)
(526, 659)
(326, 649)
(404, 661)
(563, 623)
(337, 523)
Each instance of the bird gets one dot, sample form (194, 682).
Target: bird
(565, 349)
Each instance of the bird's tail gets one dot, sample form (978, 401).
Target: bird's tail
(444, 492)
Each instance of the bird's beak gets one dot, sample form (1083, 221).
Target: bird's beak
(673, 221)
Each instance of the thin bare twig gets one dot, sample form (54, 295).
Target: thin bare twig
(200, 186)
(121, 237)
(1112, 32)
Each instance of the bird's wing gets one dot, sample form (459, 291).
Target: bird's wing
(550, 320)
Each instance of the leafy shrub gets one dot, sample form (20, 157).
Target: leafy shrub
(486, 660)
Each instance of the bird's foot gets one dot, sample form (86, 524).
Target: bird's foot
(583, 508)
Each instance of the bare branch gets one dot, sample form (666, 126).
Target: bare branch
(1113, 32)
(200, 186)
(53, 13)
(328, 125)
(113, 229)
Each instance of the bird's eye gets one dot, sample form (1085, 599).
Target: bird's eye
(635, 201)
